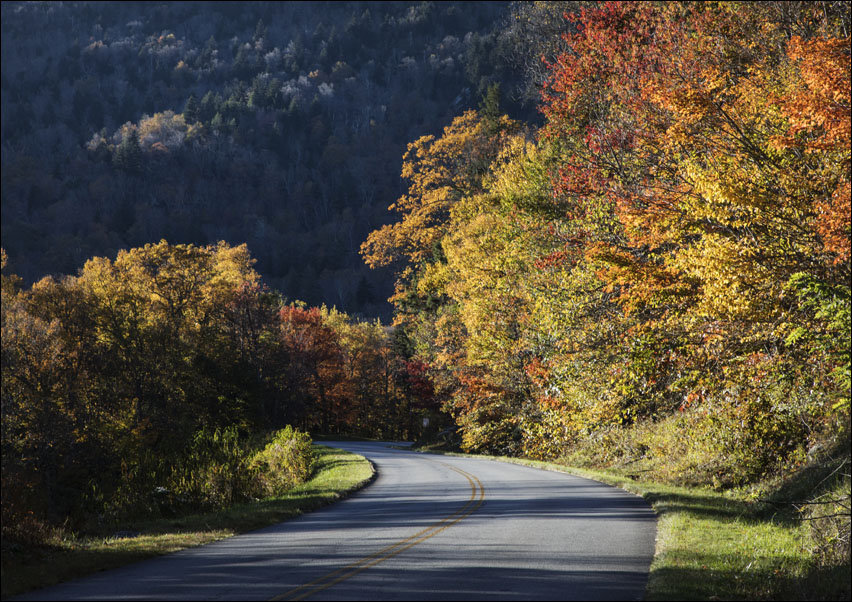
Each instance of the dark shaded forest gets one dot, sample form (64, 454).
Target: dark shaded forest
(281, 125)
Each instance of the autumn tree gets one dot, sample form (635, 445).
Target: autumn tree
(313, 376)
(442, 173)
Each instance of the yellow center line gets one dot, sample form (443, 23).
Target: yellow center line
(341, 574)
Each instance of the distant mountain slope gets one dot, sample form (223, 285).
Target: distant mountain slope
(277, 124)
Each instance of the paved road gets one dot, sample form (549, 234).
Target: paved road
(429, 528)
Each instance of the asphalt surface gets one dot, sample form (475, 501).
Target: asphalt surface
(429, 528)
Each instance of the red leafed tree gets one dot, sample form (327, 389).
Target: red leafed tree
(818, 108)
(420, 386)
(313, 377)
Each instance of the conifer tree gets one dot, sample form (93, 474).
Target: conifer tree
(192, 110)
(128, 155)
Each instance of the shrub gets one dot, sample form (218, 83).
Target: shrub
(215, 470)
(211, 472)
(23, 513)
(214, 473)
(286, 461)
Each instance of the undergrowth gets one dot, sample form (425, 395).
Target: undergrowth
(66, 554)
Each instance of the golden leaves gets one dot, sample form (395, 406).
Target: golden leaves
(439, 171)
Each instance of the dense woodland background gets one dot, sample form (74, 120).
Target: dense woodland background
(619, 235)
(279, 125)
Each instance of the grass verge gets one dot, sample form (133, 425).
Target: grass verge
(715, 545)
(336, 474)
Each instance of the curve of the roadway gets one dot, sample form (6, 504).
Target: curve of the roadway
(429, 528)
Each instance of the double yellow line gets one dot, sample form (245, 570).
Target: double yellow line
(477, 496)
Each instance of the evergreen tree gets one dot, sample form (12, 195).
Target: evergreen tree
(489, 106)
(128, 155)
(192, 110)
(209, 107)
(216, 123)
(259, 31)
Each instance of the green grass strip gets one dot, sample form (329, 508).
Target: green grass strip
(719, 546)
(336, 474)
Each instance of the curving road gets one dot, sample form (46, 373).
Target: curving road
(429, 528)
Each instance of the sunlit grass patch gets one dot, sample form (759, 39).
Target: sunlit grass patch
(714, 545)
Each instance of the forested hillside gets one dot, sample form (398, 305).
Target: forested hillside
(279, 125)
